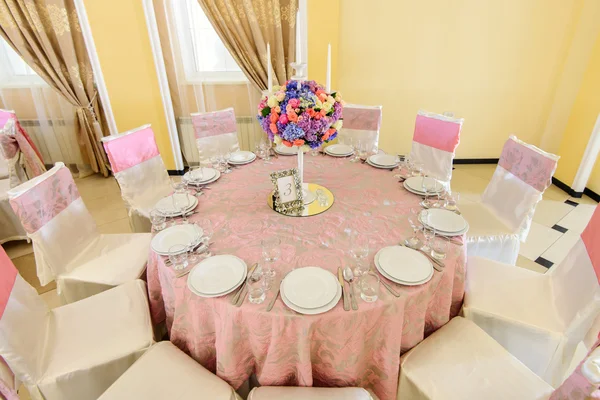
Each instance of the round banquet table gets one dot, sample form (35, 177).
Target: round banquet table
(337, 348)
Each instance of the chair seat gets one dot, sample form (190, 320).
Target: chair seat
(488, 236)
(308, 393)
(96, 338)
(165, 372)
(460, 361)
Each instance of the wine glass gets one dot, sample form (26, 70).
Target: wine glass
(415, 224)
(181, 203)
(266, 147)
(428, 185)
(452, 199)
(271, 251)
(359, 249)
(226, 159)
(195, 239)
(207, 230)
(178, 256)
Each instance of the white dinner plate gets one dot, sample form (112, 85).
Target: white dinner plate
(404, 264)
(242, 157)
(313, 311)
(383, 160)
(380, 166)
(286, 151)
(339, 150)
(167, 207)
(217, 276)
(384, 274)
(415, 184)
(179, 234)
(193, 177)
(443, 220)
(310, 287)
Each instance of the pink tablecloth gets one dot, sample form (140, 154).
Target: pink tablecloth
(338, 348)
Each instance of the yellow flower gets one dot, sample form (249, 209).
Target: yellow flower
(330, 99)
(280, 96)
(272, 102)
(318, 103)
(277, 139)
(337, 125)
(327, 107)
(305, 148)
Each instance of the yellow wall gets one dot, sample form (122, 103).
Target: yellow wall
(494, 63)
(123, 45)
(581, 123)
(323, 28)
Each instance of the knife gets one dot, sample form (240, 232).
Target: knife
(341, 279)
(236, 297)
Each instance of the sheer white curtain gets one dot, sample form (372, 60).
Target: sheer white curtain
(44, 114)
(202, 74)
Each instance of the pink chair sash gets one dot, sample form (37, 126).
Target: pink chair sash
(131, 149)
(8, 275)
(531, 166)
(576, 386)
(591, 240)
(42, 202)
(21, 141)
(367, 119)
(437, 133)
(214, 123)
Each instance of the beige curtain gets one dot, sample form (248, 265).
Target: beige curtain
(246, 26)
(47, 34)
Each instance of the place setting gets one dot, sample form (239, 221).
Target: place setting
(197, 178)
(339, 150)
(383, 161)
(217, 276)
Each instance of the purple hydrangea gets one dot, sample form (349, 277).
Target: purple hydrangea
(292, 132)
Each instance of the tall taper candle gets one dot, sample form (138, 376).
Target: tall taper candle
(269, 69)
(328, 77)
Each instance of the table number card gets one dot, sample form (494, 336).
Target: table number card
(288, 190)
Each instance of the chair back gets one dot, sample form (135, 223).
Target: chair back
(361, 123)
(24, 319)
(138, 167)
(523, 173)
(215, 132)
(55, 218)
(435, 140)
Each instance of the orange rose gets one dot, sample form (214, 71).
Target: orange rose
(320, 92)
(317, 116)
(286, 143)
(292, 117)
(298, 142)
(273, 128)
(323, 113)
(327, 134)
(274, 117)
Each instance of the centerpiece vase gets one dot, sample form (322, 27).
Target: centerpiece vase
(307, 195)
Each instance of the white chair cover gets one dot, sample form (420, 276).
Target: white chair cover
(66, 243)
(216, 133)
(165, 372)
(361, 123)
(503, 217)
(309, 393)
(539, 318)
(71, 352)
(435, 140)
(138, 167)
(10, 226)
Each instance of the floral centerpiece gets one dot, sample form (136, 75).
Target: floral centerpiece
(302, 114)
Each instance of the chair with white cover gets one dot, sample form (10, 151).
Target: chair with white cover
(539, 318)
(309, 393)
(502, 219)
(75, 351)
(165, 372)
(138, 167)
(435, 140)
(215, 132)
(361, 123)
(66, 242)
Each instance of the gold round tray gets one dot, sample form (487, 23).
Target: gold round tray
(321, 204)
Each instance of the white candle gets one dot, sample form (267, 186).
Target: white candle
(328, 77)
(298, 39)
(269, 69)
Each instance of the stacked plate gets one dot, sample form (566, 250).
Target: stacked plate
(339, 150)
(385, 161)
(403, 265)
(166, 205)
(446, 222)
(310, 290)
(187, 234)
(242, 157)
(286, 151)
(217, 276)
(415, 185)
(208, 175)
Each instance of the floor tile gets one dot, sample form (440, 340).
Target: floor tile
(23, 393)
(17, 248)
(557, 252)
(526, 263)
(584, 200)
(555, 193)
(540, 238)
(549, 212)
(118, 226)
(577, 220)
(51, 298)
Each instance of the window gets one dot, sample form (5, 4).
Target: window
(206, 58)
(14, 72)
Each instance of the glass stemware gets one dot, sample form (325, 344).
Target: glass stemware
(181, 203)
(413, 220)
(271, 251)
(226, 165)
(266, 148)
(359, 249)
(369, 287)
(178, 256)
(256, 288)
(452, 199)
(158, 219)
(439, 247)
(194, 242)
(356, 145)
(429, 186)
(416, 169)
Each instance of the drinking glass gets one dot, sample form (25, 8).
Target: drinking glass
(178, 185)
(226, 159)
(256, 288)
(369, 287)
(314, 152)
(416, 169)
(439, 247)
(271, 251)
(413, 220)
(359, 249)
(452, 199)
(428, 185)
(181, 202)
(355, 143)
(158, 219)
(363, 152)
(207, 230)
(428, 234)
(195, 240)
(266, 147)
(178, 256)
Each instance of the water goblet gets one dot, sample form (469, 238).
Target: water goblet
(452, 199)
(355, 144)
(178, 256)
(178, 185)
(158, 219)
(226, 159)
(195, 239)
(369, 287)
(271, 251)
(428, 235)
(429, 186)
(416, 169)
(359, 249)
(181, 203)
(266, 147)
(413, 220)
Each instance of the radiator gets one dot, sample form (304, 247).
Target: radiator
(55, 139)
(249, 133)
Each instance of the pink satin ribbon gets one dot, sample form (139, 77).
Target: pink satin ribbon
(131, 149)
(436, 133)
(530, 166)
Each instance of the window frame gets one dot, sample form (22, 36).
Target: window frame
(9, 79)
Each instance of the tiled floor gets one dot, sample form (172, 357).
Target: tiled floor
(556, 224)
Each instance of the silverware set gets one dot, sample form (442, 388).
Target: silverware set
(345, 297)
(349, 277)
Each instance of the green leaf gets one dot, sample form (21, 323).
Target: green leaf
(266, 111)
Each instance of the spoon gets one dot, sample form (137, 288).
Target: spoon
(349, 277)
